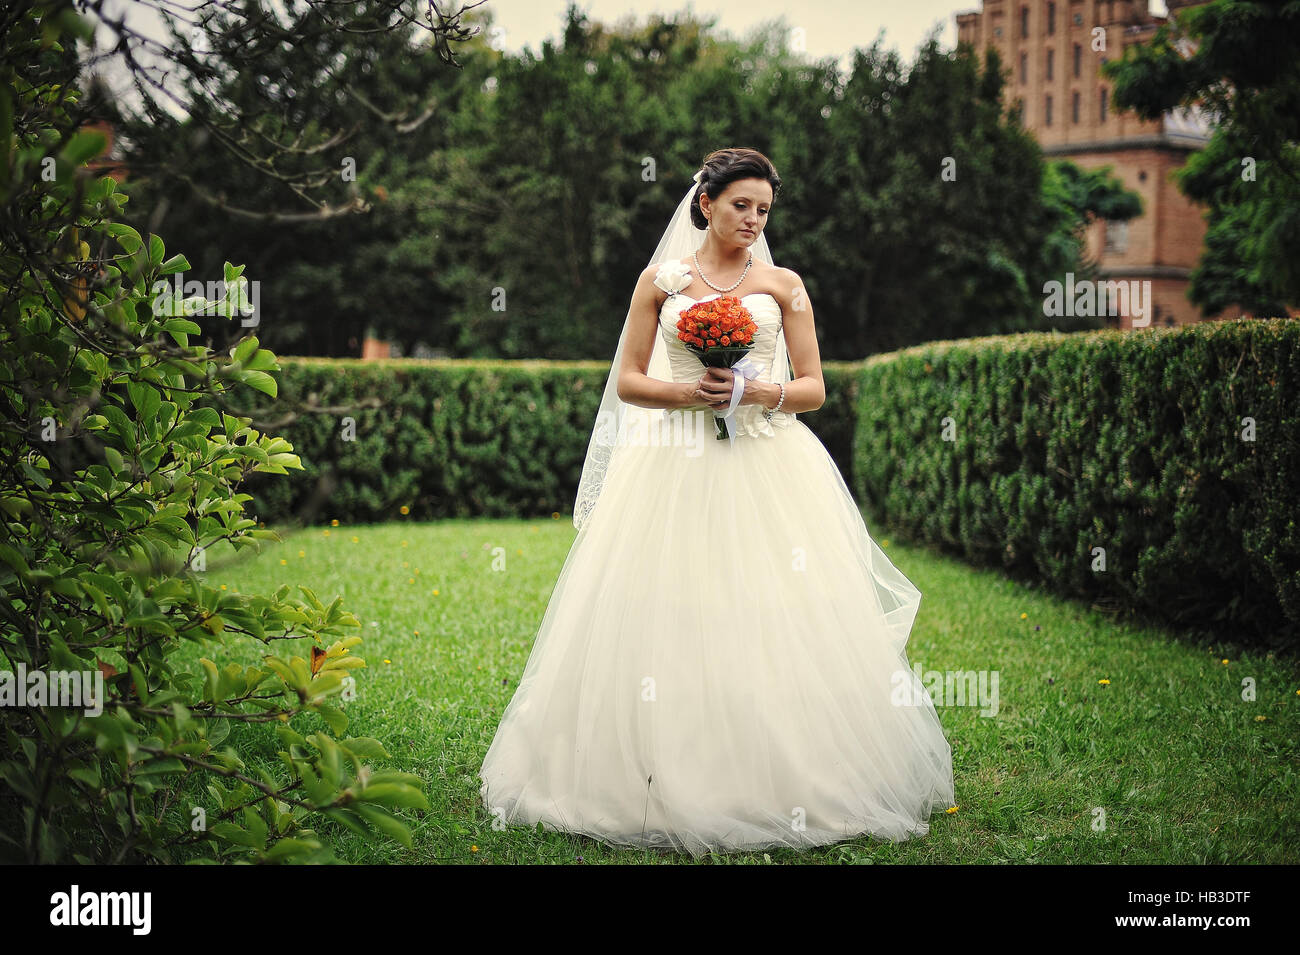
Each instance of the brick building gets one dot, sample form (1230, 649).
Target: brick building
(1054, 49)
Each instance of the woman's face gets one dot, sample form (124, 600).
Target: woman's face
(739, 214)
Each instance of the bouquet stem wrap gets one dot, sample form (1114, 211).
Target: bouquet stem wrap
(743, 369)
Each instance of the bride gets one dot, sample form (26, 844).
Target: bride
(722, 662)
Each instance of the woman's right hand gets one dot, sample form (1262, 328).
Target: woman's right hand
(695, 397)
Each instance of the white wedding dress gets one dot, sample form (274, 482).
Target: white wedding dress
(721, 665)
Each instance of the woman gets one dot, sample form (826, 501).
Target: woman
(721, 665)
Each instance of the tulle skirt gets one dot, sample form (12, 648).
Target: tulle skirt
(722, 665)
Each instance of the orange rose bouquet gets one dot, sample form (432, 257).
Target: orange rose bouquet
(720, 332)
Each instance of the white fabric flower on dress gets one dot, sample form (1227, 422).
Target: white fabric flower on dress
(672, 277)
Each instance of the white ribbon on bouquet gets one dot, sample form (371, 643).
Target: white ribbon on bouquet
(745, 368)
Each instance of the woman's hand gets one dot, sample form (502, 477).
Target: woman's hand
(717, 385)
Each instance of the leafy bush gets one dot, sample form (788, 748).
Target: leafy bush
(114, 486)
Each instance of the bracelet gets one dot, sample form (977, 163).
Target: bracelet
(768, 414)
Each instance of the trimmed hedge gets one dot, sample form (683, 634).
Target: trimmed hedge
(1127, 441)
(453, 437)
(1134, 442)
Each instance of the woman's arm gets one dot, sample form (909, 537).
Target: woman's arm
(807, 390)
(634, 385)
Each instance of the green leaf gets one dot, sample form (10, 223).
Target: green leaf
(232, 833)
(244, 349)
(177, 263)
(334, 717)
(289, 847)
(384, 821)
(126, 237)
(84, 146)
(395, 794)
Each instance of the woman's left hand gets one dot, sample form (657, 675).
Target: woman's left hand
(717, 386)
(723, 380)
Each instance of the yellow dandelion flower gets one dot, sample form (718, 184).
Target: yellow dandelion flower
(388, 661)
(283, 561)
(1024, 616)
(404, 509)
(356, 540)
(326, 532)
(473, 848)
(1260, 719)
(223, 586)
(1104, 682)
(950, 810)
(884, 543)
(1224, 662)
(302, 553)
(435, 591)
(555, 515)
(403, 543)
(411, 580)
(334, 523)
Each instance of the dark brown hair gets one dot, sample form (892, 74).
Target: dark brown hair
(723, 167)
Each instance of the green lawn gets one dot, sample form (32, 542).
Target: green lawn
(1184, 769)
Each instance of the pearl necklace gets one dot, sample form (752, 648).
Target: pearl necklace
(699, 271)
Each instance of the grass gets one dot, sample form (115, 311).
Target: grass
(1165, 764)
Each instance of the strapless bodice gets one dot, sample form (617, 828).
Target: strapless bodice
(766, 311)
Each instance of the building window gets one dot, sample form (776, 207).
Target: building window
(1104, 104)
(1074, 106)
(1116, 236)
(1078, 19)
(1051, 19)
(997, 32)
(1047, 111)
(1051, 62)
(1078, 59)
(1024, 68)
(1024, 21)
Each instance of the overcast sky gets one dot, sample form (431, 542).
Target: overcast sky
(831, 27)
